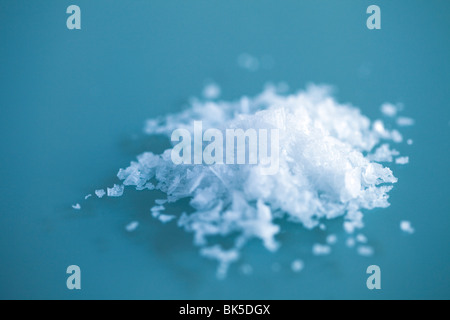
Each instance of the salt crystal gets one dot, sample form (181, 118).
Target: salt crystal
(389, 109)
(365, 251)
(350, 242)
(164, 218)
(321, 250)
(383, 154)
(405, 121)
(87, 196)
(297, 265)
(330, 165)
(211, 91)
(331, 239)
(406, 227)
(402, 160)
(225, 257)
(76, 206)
(361, 238)
(115, 191)
(409, 141)
(100, 193)
(132, 226)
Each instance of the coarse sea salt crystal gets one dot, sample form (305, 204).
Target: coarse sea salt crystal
(365, 251)
(389, 109)
(331, 164)
(297, 265)
(405, 121)
(132, 226)
(100, 193)
(321, 250)
(164, 218)
(115, 191)
(331, 239)
(361, 238)
(211, 91)
(402, 160)
(406, 227)
(76, 206)
(350, 242)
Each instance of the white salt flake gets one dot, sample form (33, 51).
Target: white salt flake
(389, 109)
(211, 91)
(406, 227)
(405, 121)
(383, 154)
(132, 226)
(224, 257)
(321, 250)
(361, 238)
(100, 193)
(87, 196)
(402, 160)
(297, 265)
(332, 163)
(350, 242)
(76, 206)
(115, 191)
(331, 239)
(164, 218)
(365, 251)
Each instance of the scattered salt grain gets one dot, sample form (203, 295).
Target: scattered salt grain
(211, 91)
(321, 250)
(100, 193)
(350, 242)
(383, 154)
(406, 227)
(365, 251)
(115, 191)
(405, 121)
(224, 257)
(164, 218)
(297, 265)
(331, 239)
(132, 226)
(88, 196)
(361, 238)
(402, 160)
(409, 141)
(76, 206)
(389, 109)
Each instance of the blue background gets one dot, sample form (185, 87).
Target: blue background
(73, 104)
